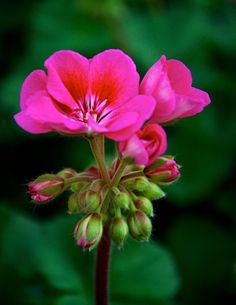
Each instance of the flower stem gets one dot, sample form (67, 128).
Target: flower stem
(102, 269)
(98, 152)
(116, 178)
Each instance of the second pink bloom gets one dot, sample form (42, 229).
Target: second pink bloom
(146, 145)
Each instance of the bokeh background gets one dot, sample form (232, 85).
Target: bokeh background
(191, 258)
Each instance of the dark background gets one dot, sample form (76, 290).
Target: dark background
(191, 259)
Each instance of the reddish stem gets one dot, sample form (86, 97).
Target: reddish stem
(102, 269)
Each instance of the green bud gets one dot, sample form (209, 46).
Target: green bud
(73, 204)
(88, 231)
(77, 186)
(46, 187)
(92, 200)
(122, 200)
(140, 225)
(140, 184)
(153, 192)
(67, 173)
(145, 205)
(118, 231)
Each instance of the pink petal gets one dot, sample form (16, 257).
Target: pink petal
(67, 77)
(179, 76)
(126, 120)
(157, 84)
(41, 115)
(29, 124)
(155, 134)
(36, 81)
(134, 148)
(190, 105)
(113, 77)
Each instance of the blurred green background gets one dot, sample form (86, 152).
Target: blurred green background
(191, 258)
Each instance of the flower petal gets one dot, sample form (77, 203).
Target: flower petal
(35, 81)
(126, 120)
(179, 76)
(67, 77)
(157, 84)
(113, 77)
(41, 115)
(134, 148)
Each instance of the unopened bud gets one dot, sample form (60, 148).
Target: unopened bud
(73, 204)
(122, 200)
(118, 230)
(140, 225)
(165, 173)
(145, 205)
(140, 184)
(88, 231)
(67, 173)
(92, 200)
(46, 187)
(77, 186)
(153, 192)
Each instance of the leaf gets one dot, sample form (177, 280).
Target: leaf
(143, 272)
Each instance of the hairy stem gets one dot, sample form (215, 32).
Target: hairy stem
(102, 269)
(98, 152)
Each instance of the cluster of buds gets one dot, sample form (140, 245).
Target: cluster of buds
(124, 207)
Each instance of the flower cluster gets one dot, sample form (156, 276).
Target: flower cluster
(103, 97)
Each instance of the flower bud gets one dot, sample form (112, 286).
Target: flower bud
(73, 204)
(153, 192)
(88, 231)
(145, 205)
(140, 225)
(92, 200)
(77, 186)
(67, 173)
(46, 187)
(118, 231)
(165, 173)
(140, 184)
(122, 200)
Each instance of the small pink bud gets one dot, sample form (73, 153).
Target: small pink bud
(88, 231)
(166, 173)
(140, 225)
(46, 187)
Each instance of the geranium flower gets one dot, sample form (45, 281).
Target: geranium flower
(146, 145)
(80, 95)
(170, 83)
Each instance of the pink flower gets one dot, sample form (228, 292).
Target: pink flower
(170, 83)
(146, 145)
(166, 173)
(80, 95)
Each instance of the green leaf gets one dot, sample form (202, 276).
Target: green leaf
(143, 272)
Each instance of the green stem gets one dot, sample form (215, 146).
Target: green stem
(98, 152)
(132, 175)
(116, 178)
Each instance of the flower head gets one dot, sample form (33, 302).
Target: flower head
(170, 83)
(80, 95)
(146, 145)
